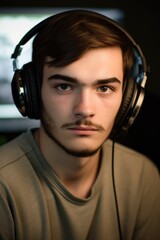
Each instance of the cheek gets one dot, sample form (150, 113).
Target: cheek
(111, 107)
(109, 113)
(118, 102)
(54, 108)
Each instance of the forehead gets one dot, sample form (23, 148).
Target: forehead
(95, 64)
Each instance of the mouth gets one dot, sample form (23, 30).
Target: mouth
(83, 130)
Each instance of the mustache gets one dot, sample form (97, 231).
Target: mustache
(84, 122)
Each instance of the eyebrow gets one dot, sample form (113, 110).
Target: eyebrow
(74, 80)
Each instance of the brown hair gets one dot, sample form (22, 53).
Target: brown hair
(69, 35)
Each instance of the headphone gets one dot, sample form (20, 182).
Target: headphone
(26, 91)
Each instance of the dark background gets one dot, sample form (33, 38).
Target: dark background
(141, 20)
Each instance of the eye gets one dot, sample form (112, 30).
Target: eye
(104, 89)
(63, 87)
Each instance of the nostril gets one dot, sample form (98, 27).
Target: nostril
(84, 114)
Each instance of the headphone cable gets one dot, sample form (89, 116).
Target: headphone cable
(114, 190)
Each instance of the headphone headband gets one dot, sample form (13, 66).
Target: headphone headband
(37, 28)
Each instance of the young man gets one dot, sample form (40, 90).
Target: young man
(65, 179)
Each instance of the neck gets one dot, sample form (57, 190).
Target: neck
(78, 174)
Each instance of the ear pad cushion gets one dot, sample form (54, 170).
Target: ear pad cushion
(125, 110)
(25, 91)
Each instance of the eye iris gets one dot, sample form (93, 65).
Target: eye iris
(64, 86)
(103, 88)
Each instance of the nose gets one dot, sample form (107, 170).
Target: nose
(84, 106)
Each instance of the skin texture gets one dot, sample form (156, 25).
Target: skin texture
(79, 104)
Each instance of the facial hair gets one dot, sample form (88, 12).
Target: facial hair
(47, 125)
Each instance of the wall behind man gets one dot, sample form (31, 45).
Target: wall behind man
(142, 22)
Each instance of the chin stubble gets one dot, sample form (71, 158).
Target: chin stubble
(84, 153)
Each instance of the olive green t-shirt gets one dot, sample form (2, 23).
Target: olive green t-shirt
(35, 205)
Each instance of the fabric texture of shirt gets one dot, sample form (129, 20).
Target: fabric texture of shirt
(35, 205)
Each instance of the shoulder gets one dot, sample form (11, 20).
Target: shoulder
(132, 156)
(14, 150)
(136, 175)
(130, 160)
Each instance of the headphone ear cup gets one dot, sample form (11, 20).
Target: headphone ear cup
(18, 92)
(25, 91)
(131, 103)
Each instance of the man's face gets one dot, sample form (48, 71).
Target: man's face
(80, 101)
